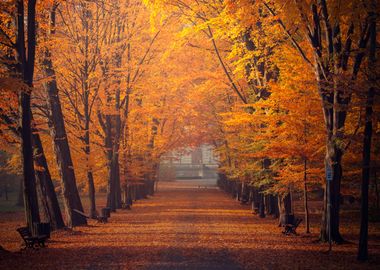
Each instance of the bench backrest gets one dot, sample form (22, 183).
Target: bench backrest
(24, 232)
(41, 229)
(80, 213)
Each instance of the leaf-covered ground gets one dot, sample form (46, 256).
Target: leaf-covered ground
(184, 226)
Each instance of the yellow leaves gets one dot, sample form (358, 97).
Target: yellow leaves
(179, 83)
(13, 164)
(188, 30)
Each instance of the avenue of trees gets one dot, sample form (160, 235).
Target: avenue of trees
(94, 93)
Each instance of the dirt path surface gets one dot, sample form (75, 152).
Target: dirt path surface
(187, 225)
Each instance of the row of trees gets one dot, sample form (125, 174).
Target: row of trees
(99, 111)
(303, 98)
(284, 92)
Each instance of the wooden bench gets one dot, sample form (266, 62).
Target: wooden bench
(102, 219)
(42, 233)
(42, 229)
(292, 227)
(125, 206)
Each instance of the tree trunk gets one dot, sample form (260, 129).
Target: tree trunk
(334, 124)
(116, 167)
(111, 170)
(255, 201)
(42, 202)
(377, 195)
(334, 203)
(58, 133)
(363, 239)
(330, 63)
(116, 137)
(25, 68)
(267, 205)
(90, 177)
(30, 193)
(47, 187)
(111, 189)
(272, 205)
(154, 178)
(238, 190)
(285, 208)
(87, 114)
(113, 135)
(71, 199)
(305, 197)
(129, 195)
(274, 202)
(91, 194)
(262, 205)
(324, 234)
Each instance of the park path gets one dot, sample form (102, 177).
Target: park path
(196, 233)
(186, 225)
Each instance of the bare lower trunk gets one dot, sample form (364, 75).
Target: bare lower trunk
(25, 54)
(377, 195)
(30, 193)
(306, 207)
(272, 205)
(285, 208)
(49, 197)
(111, 190)
(262, 206)
(90, 177)
(334, 154)
(91, 194)
(363, 239)
(255, 200)
(42, 202)
(112, 153)
(71, 199)
(110, 164)
(116, 167)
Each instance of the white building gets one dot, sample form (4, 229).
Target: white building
(199, 162)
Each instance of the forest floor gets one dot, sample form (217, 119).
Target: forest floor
(186, 225)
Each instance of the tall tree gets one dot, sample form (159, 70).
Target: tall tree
(25, 55)
(370, 98)
(48, 196)
(80, 60)
(9, 117)
(59, 136)
(332, 36)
